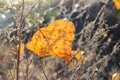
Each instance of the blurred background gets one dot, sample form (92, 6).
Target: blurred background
(97, 35)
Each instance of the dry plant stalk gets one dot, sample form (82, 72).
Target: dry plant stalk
(20, 26)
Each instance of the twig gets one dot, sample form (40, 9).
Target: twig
(32, 73)
(19, 35)
(30, 10)
(27, 69)
(100, 12)
(43, 71)
(116, 47)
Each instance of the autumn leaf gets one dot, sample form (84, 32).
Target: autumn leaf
(117, 4)
(54, 40)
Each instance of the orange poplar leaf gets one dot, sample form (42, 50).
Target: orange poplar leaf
(117, 4)
(54, 40)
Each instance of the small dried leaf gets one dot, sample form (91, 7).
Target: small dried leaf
(104, 33)
(6, 55)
